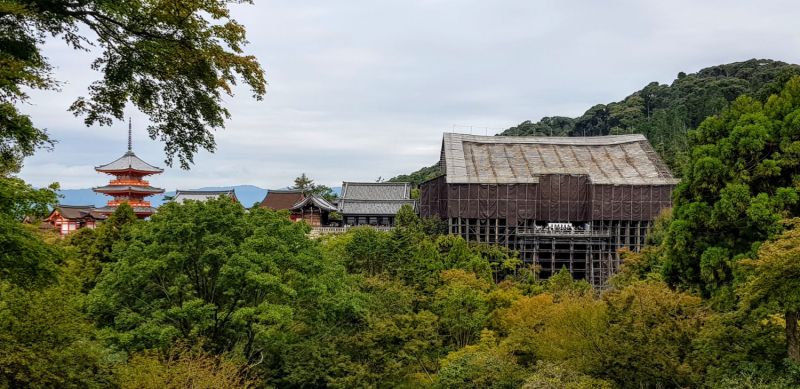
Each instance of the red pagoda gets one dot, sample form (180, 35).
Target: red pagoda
(128, 184)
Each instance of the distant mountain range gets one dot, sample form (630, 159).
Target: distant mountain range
(247, 195)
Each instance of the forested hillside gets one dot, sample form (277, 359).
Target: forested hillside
(663, 113)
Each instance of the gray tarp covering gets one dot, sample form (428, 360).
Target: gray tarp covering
(557, 197)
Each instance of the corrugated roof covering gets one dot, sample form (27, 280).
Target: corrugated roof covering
(615, 159)
(129, 161)
(318, 201)
(376, 190)
(281, 199)
(373, 207)
(201, 195)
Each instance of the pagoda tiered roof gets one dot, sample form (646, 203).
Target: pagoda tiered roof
(129, 186)
(137, 210)
(148, 190)
(129, 162)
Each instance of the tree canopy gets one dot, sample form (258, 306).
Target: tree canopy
(741, 181)
(173, 60)
(308, 186)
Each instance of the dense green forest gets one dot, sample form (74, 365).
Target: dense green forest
(208, 295)
(663, 113)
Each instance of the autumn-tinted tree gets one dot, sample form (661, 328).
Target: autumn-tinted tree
(482, 365)
(181, 368)
(775, 283)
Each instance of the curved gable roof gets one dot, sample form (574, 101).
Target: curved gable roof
(315, 200)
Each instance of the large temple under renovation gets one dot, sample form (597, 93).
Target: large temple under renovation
(559, 202)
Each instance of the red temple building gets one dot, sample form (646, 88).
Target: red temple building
(129, 184)
(67, 219)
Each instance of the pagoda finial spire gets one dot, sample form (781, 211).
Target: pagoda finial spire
(129, 134)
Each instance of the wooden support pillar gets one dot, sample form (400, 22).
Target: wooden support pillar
(590, 264)
(602, 256)
(572, 257)
(638, 236)
(496, 230)
(618, 246)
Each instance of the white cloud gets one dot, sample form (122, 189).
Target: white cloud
(361, 89)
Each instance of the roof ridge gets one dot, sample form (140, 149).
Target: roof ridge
(375, 200)
(599, 139)
(377, 183)
(203, 191)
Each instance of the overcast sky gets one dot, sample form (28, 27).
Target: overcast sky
(364, 89)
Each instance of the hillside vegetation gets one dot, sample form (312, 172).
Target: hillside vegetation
(663, 113)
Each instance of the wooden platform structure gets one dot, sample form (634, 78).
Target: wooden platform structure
(601, 193)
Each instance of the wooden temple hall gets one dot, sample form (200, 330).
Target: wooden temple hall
(559, 202)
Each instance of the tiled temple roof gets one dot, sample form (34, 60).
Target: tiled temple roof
(279, 199)
(77, 212)
(374, 198)
(373, 207)
(376, 190)
(318, 201)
